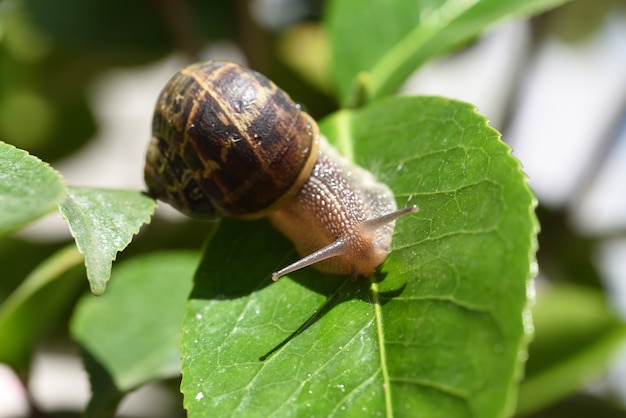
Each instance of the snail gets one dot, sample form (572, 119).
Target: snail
(226, 141)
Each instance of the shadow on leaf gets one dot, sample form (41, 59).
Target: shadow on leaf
(239, 259)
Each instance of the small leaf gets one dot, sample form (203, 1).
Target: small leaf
(40, 300)
(439, 332)
(577, 336)
(29, 188)
(133, 330)
(103, 223)
(377, 45)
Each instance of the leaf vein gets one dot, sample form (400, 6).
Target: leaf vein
(321, 367)
(381, 347)
(354, 391)
(447, 390)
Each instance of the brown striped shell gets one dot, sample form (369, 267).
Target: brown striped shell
(226, 141)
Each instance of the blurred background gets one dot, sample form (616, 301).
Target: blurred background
(79, 79)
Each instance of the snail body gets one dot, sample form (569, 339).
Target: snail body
(228, 142)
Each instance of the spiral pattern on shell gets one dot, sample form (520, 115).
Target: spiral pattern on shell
(226, 141)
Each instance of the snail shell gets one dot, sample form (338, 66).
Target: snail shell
(228, 142)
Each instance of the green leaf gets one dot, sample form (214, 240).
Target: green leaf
(29, 188)
(577, 335)
(438, 333)
(103, 222)
(133, 330)
(376, 45)
(36, 305)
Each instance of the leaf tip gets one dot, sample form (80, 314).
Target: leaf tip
(97, 290)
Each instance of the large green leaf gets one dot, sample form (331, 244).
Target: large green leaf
(103, 222)
(132, 332)
(376, 45)
(439, 332)
(29, 188)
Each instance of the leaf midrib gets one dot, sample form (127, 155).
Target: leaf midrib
(381, 349)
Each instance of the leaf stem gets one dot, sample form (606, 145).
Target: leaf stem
(345, 141)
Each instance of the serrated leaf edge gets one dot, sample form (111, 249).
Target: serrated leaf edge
(98, 290)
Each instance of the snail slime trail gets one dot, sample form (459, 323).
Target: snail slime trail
(226, 141)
